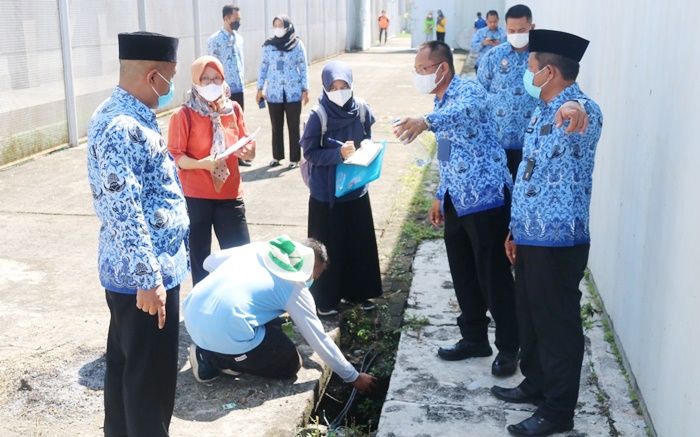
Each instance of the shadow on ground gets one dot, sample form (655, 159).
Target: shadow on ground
(209, 402)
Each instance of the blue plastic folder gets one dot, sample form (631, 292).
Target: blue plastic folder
(349, 177)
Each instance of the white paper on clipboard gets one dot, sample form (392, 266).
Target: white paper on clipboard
(237, 145)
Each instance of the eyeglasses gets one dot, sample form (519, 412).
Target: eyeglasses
(424, 69)
(208, 80)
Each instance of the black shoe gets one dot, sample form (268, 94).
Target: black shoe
(202, 370)
(516, 395)
(505, 364)
(464, 349)
(244, 162)
(539, 426)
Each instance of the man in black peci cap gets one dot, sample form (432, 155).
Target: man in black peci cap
(550, 236)
(142, 255)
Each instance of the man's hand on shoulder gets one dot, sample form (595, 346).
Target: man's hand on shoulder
(575, 114)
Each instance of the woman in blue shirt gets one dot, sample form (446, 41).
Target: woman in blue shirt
(284, 69)
(343, 224)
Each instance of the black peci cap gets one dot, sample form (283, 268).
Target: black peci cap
(560, 43)
(147, 46)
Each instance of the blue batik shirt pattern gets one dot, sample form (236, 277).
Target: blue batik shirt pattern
(479, 49)
(471, 162)
(552, 208)
(227, 47)
(285, 73)
(137, 197)
(501, 73)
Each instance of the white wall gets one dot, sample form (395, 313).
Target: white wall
(460, 16)
(641, 67)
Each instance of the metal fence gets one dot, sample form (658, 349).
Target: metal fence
(58, 58)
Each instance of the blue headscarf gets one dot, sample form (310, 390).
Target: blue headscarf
(338, 117)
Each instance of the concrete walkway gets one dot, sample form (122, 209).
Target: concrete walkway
(53, 316)
(431, 397)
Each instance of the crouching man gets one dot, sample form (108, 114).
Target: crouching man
(232, 315)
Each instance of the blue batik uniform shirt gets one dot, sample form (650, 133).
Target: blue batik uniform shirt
(137, 197)
(227, 47)
(501, 73)
(479, 49)
(552, 208)
(286, 73)
(472, 164)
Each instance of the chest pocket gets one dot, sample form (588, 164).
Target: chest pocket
(444, 149)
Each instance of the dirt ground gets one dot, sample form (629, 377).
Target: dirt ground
(53, 316)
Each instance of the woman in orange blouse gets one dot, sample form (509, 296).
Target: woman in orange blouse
(202, 128)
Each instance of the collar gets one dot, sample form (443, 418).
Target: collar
(525, 52)
(136, 106)
(572, 92)
(449, 92)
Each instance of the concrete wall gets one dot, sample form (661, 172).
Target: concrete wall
(32, 93)
(460, 16)
(641, 67)
(362, 27)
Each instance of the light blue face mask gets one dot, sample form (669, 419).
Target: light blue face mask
(309, 282)
(530, 87)
(165, 99)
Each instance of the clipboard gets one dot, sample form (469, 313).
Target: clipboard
(349, 177)
(236, 146)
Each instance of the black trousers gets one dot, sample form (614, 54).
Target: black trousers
(514, 157)
(238, 97)
(277, 113)
(481, 274)
(229, 222)
(276, 357)
(139, 390)
(347, 230)
(549, 317)
(382, 31)
(440, 36)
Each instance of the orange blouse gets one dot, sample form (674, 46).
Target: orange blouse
(195, 142)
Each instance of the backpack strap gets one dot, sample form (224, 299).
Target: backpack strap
(186, 111)
(323, 115)
(322, 118)
(362, 106)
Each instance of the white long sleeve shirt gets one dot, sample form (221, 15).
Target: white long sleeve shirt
(228, 310)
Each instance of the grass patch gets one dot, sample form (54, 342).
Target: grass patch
(596, 307)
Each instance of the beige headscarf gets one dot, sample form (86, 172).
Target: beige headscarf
(213, 110)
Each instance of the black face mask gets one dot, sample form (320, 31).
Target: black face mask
(235, 25)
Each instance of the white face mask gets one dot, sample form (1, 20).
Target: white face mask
(279, 31)
(425, 83)
(519, 40)
(210, 92)
(339, 97)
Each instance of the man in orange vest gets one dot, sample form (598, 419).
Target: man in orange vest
(383, 26)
